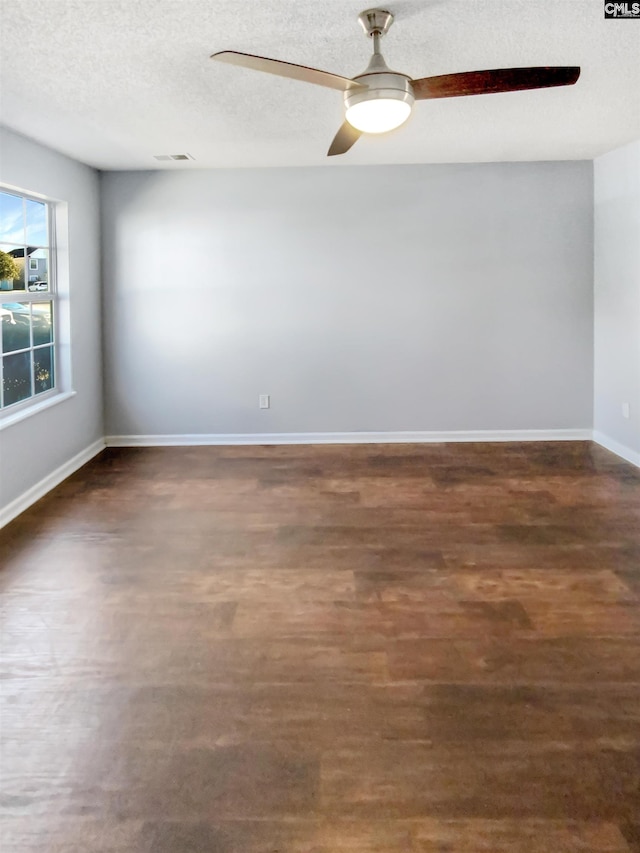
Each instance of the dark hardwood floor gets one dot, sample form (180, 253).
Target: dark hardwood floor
(368, 649)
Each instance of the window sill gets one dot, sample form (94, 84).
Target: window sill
(15, 417)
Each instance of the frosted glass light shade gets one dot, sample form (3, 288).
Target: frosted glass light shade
(378, 115)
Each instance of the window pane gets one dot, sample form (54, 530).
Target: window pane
(42, 320)
(16, 370)
(36, 223)
(27, 337)
(12, 264)
(43, 369)
(11, 219)
(15, 326)
(38, 270)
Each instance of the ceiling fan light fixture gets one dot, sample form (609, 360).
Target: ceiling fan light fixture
(386, 102)
(378, 115)
(380, 99)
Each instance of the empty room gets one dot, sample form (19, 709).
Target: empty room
(320, 426)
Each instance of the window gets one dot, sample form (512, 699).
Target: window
(27, 300)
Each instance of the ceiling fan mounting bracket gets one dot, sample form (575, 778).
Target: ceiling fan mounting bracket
(375, 21)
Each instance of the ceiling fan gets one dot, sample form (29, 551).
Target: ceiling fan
(379, 99)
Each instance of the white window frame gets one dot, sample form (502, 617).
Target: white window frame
(33, 263)
(56, 223)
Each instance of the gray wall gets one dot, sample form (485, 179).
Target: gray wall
(36, 446)
(617, 295)
(370, 298)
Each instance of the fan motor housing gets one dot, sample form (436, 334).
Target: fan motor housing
(385, 84)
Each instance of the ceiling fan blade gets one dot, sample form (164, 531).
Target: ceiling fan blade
(287, 69)
(344, 139)
(498, 80)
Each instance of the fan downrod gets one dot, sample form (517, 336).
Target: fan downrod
(375, 22)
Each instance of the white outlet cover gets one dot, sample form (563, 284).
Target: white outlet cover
(263, 401)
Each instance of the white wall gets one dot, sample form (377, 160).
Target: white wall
(34, 448)
(362, 299)
(617, 300)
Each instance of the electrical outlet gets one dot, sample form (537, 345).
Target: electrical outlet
(626, 410)
(264, 401)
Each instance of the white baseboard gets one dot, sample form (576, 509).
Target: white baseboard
(24, 501)
(615, 447)
(347, 437)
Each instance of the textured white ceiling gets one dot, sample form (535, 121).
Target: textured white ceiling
(113, 82)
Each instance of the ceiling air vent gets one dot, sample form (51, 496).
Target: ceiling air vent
(166, 157)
